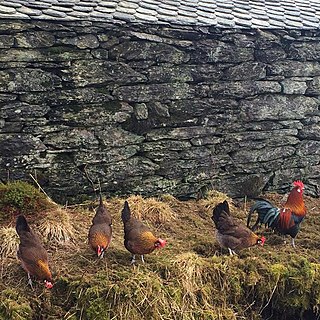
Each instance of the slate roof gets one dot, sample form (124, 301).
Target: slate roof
(275, 14)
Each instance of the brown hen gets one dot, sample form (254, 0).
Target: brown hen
(138, 239)
(232, 234)
(100, 232)
(31, 253)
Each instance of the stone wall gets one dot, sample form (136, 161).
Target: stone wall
(158, 109)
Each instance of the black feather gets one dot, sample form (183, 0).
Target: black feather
(126, 214)
(22, 225)
(218, 210)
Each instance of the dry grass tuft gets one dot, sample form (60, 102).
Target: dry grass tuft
(55, 226)
(151, 209)
(192, 275)
(212, 198)
(9, 242)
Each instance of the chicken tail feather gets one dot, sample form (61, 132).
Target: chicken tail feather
(126, 214)
(218, 210)
(22, 225)
(267, 213)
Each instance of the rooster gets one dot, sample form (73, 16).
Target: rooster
(100, 232)
(285, 220)
(138, 239)
(31, 253)
(230, 233)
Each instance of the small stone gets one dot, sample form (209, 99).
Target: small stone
(141, 111)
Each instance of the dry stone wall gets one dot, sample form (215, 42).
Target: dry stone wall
(158, 109)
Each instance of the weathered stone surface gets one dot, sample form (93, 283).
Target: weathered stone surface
(313, 87)
(271, 54)
(117, 137)
(107, 113)
(243, 89)
(20, 144)
(46, 54)
(23, 80)
(271, 107)
(6, 41)
(289, 68)
(215, 51)
(245, 71)
(18, 110)
(158, 109)
(7, 97)
(311, 132)
(33, 40)
(70, 139)
(159, 52)
(84, 72)
(110, 156)
(87, 41)
(309, 147)
(141, 111)
(65, 97)
(180, 133)
(294, 86)
(150, 92)
(304, 51)
(245, 155)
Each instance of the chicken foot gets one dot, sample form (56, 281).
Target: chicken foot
(232, 252)
(30, 281)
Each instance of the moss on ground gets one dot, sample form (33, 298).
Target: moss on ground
(191, 278)
(19, 197)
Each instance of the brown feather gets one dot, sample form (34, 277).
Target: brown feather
(230, 232)
(100, 232)
(138, 239)
(31, 253)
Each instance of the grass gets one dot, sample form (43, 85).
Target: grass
(191, 278)
(56, 227)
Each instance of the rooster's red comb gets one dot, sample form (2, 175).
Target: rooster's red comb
(298, 183)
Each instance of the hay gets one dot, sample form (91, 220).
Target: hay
(212, 198)
(151, 209)
(55, 226)
(9, 242)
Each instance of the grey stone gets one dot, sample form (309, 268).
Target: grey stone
(69, 139)
(19, 110)
(277, 107)
(311, 132)
(304, 51)
(314, 87)
(117, 137)
(147, 50)
(215, 51)
(289, 68)
(6, 41)
(22, 80)
(38, 39)
(84, 72)
(160, 92)
(20, 144)
(87, 41)
(246, 71)
(66, 97)
(294, 86)
(243, 89)
(141, 111)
